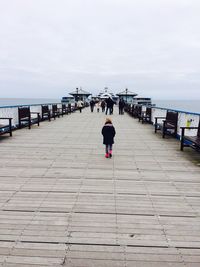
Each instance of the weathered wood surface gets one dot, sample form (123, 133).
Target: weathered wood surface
(63, 204)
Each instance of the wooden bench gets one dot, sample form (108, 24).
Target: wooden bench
(63, 110)
(25, 117)
(190, 141)
(6, 127)
(55, 112)
(169, 124)
(69, 108)
(46, 114)
(137, 111)
(133, 110)
(73, 108)
(128, 109)
(146, 116)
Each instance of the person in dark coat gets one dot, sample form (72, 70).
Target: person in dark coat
(109, 105)
(92, 104)
(121, 106)
(108, 132)
(103, 105)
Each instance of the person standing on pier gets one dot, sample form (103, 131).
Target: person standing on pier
(92, 104)
(108, 132)
(98, 104)
(121, 106)
(109, 105)
(103, 105)
(80, 105)
(112, 105)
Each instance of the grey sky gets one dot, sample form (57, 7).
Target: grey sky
(50, 47)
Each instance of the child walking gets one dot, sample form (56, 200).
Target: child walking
(108, 132)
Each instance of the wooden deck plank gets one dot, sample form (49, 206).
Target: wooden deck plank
(63, 204)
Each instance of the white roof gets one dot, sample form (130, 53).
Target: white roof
(80, 92)
(105, 95)
(126, 92)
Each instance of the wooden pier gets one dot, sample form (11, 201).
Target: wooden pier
(62, 203)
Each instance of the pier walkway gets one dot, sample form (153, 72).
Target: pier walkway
(63, 204)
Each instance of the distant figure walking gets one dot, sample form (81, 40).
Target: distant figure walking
(103, 105)
(121, 106)
(80, 105)
(108, 132)
(109, 106)
(92, 104)
(98, 104)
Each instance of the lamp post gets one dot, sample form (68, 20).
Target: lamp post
(77, 94)
(126, 94)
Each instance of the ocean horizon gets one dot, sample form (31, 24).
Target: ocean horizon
(183, 105)
(27, 101)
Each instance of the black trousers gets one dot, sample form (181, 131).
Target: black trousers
(121, 111)
(108, 109)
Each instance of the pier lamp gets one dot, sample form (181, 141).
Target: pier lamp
(77, 94)
(126, 94)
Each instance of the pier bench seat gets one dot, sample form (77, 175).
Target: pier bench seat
(128, 108)
(137, 111)
(146, 116)
(55, 111)
(27, 118)
(69, 108)
(46, 114)
(73, 108)
(63, 110)
(190, 141)
(6, 127)
(168, 125)
(132, 110)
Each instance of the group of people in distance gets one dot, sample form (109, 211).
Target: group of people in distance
(107, 105)
(108, 130)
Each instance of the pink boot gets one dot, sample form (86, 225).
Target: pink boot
(107, 155)
(110, 153)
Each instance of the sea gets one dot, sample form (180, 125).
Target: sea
(26, 101)
(183, 105)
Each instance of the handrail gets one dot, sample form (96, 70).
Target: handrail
(177, 110)
(25, 105)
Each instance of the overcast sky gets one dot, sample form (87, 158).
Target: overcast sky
(50, 47)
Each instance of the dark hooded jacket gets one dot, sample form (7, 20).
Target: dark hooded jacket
(108, 132)
(109, 102)
(121, 103)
